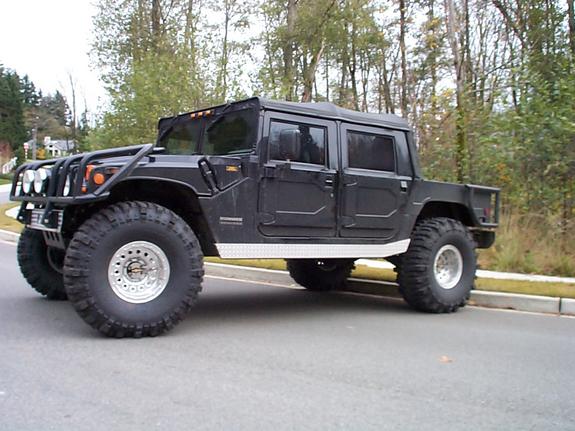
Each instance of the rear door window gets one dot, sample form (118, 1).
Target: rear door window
(370, 151)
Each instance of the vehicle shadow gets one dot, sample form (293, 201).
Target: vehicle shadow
(221, 306)
(277, 304)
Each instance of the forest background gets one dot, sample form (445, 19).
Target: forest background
(489, 87)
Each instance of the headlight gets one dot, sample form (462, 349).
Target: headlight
(67, 186)
(40, 177)
(18, 189)
(27, 181)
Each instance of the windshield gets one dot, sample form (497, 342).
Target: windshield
(227, 133)
(183, 138)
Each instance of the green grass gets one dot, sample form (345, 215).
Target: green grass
(8, 223)
(559, 290)
(563, 290)
(5, 179)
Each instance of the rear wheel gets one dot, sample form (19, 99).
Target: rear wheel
(41, 265)
(438, 270)
(134, 269)
(320, 274)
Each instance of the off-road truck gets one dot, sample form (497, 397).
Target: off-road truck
(122, 232)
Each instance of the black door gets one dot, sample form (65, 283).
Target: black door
(297, 191)
(373, 194)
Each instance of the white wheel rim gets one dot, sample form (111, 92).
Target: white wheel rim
(139, 272)
(448, 266)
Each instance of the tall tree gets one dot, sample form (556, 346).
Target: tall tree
(12, 128)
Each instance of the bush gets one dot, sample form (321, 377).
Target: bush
(532, 244)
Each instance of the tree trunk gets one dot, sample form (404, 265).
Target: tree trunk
(327, 77)
(73, 115)
(190, 30)
(353, 68)
(156, 23)
(309, 75)
(223, 74)
(433, 62)
(402, 31)
(342, 96)
(511, 23)
(571, 17)
(460, 121)
(288, 51)
(389, 108)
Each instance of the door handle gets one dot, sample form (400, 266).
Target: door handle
(329, 182)
(403, 186)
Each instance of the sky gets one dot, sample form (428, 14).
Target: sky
(48, 40)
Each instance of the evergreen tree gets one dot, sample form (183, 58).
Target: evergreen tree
(12, 127)
(29, 95)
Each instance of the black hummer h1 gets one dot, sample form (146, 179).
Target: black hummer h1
(122, 232)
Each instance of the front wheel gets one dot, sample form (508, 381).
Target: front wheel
(320, 274)
(438, 270)
(41, 265)
(134, 269)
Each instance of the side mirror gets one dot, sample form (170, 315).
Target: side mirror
(290, 144)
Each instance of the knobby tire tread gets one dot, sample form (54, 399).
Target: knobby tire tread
(31, 255)
(82, 246)
(413, 273)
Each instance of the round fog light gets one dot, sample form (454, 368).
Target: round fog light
(40, 178)
(67, 186)
(27, 181)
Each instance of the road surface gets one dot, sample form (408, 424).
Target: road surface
(5, 193)
(258, 357)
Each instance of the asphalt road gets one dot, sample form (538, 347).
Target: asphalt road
(257, 357)
(4, 193)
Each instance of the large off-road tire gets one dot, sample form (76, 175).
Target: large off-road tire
(438, 270)
(133, 269)
(41, 265)
(320, 274)
(395, 260)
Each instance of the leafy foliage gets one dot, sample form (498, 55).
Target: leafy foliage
(488, 85)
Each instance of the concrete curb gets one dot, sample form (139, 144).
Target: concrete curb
(480, 298)
(567, 306)
(515, 301)
(481, 273)
(9, 236)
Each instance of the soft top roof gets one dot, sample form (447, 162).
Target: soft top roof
(329, 110)
(320, 109)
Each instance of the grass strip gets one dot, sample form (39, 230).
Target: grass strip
(563, 290)
(8, 223)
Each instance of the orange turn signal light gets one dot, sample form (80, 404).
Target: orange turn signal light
(89, 170)
(99, 178)
(201, 114)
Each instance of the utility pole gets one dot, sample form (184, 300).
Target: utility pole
(35, 139)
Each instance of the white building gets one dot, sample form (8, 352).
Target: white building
(59, 147)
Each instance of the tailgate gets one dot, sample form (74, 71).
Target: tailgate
(484, 203)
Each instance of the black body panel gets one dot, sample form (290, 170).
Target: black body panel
(259, 194)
